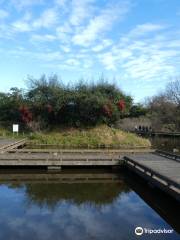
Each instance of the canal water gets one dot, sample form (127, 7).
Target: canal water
(83, 205)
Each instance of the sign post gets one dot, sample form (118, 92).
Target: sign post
(16, 128)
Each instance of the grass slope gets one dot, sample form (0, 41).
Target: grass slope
(101, 136)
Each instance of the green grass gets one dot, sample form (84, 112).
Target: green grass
(8, 134)
(101, 136)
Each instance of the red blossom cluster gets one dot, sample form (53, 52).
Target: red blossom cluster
(121, 105)
(107, 109)
(26, 115)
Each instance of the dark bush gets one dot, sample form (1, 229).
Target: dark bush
(50, 102)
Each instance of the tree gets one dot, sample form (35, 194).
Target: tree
(82, 104)
(48, 102)
(164, 109)
(138, 110)
(173, 91)
(9, 106)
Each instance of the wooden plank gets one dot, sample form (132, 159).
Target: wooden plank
(72, 162)
(9, 144)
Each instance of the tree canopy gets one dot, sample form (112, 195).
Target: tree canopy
(48, 102)
(164, 108)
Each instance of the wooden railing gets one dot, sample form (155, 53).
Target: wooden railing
(168, 155)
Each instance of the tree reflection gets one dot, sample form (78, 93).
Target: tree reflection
(94, 193)
(96, 187)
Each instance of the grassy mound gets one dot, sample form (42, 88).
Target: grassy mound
(101, 136)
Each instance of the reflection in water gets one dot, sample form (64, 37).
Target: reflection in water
(75, 205)
(51, 194)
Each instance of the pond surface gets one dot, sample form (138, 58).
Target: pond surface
(82, 205)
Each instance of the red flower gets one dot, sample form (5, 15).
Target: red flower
(121, 105)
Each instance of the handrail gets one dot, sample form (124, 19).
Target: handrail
(168, 154)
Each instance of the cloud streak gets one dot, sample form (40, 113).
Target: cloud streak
(147, 58)
(100, 24)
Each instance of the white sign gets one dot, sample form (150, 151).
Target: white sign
(15, 128)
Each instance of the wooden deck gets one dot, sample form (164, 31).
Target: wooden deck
(159, 170)
(9, 144)
(54, 157)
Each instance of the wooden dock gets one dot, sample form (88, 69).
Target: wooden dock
(9, 144)
(159, 169)
(57, 158)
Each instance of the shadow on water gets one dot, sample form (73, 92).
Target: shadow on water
(163, 204)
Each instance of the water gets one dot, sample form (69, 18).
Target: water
(82, 205)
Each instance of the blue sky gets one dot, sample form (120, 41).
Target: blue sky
(135, 43)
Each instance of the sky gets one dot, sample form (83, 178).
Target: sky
(133, 43)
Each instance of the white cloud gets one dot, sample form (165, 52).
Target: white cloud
(100, 24)
(3, 14)
(65, 49)
(47, 19)
(43, 38)
(155, 55)
(104, 44)
(63, 32)
(81, 10)
(108, 60)
(21, 26)
(96, 26)
(65, 28)
(146, 28)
